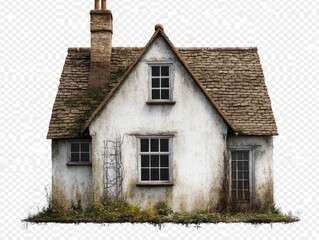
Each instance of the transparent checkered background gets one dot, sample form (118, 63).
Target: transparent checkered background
(34, 36)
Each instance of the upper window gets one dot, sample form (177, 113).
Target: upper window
(79, 151)
(154, 157)
(160, 82)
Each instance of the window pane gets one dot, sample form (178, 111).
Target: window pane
(85, 147)
(154, 145)
(164, 145)
(234, 155)
(165, 71)
(164, 161)
(240, 195)
(75, 157)
(144, 145)
(75, 147)
(145, 174)
(233, 165)
(233, 185)
(145, 161)
(154, 161)
(165, 82)
(155, 174)
(246, 166)
(233, 174)
(246, 175)
(240, 165)
(155, 94)
(155, 82)
(246, 155)
(165, 94)
(85, 157)
(240, 185)
(155, 71)
(164, 174)
(246, 185)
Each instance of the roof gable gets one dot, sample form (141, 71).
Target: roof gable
(231, 77)
(158, 32)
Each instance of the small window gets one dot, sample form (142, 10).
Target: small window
(154, 157)
(79, 152)
(160, 82)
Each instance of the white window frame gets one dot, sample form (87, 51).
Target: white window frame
(170, 168)
(170, 87)
(251, 171)
(79, 142)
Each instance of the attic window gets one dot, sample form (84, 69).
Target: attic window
(155, 159)
(160, 82)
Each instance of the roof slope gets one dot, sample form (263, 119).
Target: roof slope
(232, 78)
(74, 103)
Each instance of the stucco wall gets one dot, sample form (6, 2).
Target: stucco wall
(263, 162)
(198, 142)
(71, 185)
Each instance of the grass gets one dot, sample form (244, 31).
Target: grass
(122, 212)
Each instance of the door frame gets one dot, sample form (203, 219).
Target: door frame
(251, 170)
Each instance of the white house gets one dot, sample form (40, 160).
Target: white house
(191, 127)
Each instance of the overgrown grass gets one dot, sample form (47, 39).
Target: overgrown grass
(121, 212)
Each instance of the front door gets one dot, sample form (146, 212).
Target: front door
(241, 178)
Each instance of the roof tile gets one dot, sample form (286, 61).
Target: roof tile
(232, 77)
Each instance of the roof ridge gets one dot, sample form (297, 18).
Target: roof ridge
(220, 48)
(80, 49)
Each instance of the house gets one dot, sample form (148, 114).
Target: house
(192, 127)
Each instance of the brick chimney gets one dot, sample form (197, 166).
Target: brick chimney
(101, 45)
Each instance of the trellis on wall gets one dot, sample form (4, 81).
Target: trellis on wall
(113, 168)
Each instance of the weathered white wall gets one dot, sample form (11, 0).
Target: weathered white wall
(198, 143)
(70, 184)
(263, 163)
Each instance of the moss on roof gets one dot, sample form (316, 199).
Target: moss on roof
(232, 77)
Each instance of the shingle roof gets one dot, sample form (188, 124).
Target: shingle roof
(74, 103)
(232, 78)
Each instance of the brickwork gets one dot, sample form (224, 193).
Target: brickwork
(101, 48)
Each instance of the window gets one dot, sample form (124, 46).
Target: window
(241, 176)
(154, 159)
(79, 152)
(160, 82)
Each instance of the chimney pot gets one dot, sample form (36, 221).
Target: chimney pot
(97, 5)
(103, 4)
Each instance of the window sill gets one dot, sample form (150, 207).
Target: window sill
(168, 102)
(79, 164)
(154, 184)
